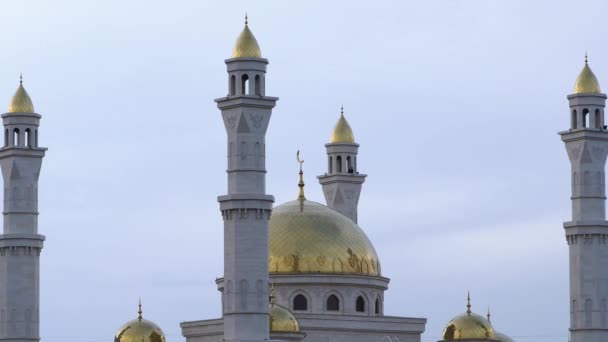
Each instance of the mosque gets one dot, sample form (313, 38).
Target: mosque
(302, 270)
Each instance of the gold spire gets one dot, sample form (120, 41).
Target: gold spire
(301, 183)
(468, 303)
(246, 45)
(489, 314)
(586, 82)
(21, 102)
(342, 132)
(139, 317)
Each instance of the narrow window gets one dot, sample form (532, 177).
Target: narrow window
(333, 303)
(16, 137)
(258, 85)
(339, 164)
(349, 165)
(585, 118)
(232, 85)
(588, 317)
(377, 309)
(331, 166)
(244, 84)
(300, 303)
(574, 124)
(28, 137)
(598, 119)
(36, 138)
(360, 304)
(5, 137)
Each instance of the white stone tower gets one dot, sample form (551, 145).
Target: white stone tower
(342, 182)
(587, 233)
(20, 244)
(246, 208)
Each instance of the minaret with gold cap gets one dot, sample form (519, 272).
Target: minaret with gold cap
(342, 182)
(587, 232)
(20, 243)
(246, 209)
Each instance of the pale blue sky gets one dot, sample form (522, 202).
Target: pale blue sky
(456, 105)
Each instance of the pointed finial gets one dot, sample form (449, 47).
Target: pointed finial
(489, 314)
(342, 110)
(272, 295)
(20, 78)
(139, 311)
(586, 57)
(246, 19)
(301, 183)
(468, 303)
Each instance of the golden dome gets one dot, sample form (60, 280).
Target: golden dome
(342, 132)
(282, 320)
(246, 45)
(502, 337)
(139, 330)
(586, 82)
(21, 102)
(469, 326)
(308, 237)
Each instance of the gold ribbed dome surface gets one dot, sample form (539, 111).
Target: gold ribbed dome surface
(502, 337)
(139, 330)
(308, 237)
(469, 326)
(246, 45)
(586, 82)
(282, 320)
(21, 102)
(342, 132)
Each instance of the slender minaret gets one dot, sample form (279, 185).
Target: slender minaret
(587, 233)
(342, 182)
(246, 208)
(20, 245)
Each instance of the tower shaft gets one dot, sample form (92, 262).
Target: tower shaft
(587, 232)
(246, 208)
(20, 243)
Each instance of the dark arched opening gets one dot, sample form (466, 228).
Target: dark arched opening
(339, 164)
(360, 304)
(377, 308)
(300, 303)
(232, 85)
(244, 84)
(258, 85)
(333, 303)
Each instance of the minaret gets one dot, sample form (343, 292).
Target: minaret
(246, 208)
(342, 181)
(20, 244)
(587, 233)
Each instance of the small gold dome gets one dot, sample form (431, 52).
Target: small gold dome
(139, 330)
(502, 337)
(308, 237)
(246, 45)
(342, 132)
(586, 82)
(282, 320)
(468, 326)
(21, 102)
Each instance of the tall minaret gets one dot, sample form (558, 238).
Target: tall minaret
(342, 182)
(20, 245)
(246, 208)
(587, 233)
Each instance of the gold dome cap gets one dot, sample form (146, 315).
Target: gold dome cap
(502, 337)
(246, 45)
(469, 326)
(342, 132)
(586, 82)
(308, 237)
(21, 102)
(139, 330)
(282, 320)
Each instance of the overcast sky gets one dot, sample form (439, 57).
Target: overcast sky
(456, 105)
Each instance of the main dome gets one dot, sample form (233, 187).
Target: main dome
(308, 237)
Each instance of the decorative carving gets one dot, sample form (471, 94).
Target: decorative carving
(256, 119)
(321, 260)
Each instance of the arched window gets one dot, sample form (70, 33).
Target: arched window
(377, 309)
(349, 165)
(574, 123)
(300, 303)
(232, 85)
(360, 304)
(339, 164)
(585, 122)
(245, 84)
(333, 303)
(16, 137)
(598, 119)
(28, 137)
(6, 137)
(330, 167)
(258, 85)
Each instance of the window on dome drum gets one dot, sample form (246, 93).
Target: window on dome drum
(360, 304)
(300, 303)
(377, 306)
(585, 118)
(258, 86)
(574, 125)
(339, 164)
(333, 303)
(28, 137)
(244, 85)
(598, 119)
(349, 165)
(16, 141)
(232, 85)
